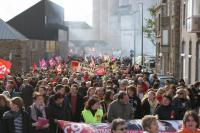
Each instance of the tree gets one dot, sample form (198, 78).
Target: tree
(149, 29)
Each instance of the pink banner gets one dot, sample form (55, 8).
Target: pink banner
(133, 126)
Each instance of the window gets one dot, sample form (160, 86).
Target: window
(159, 24)
(190, 60)
(196, 7)
(184, 13)
(165, 37)
(189, 8)
(198, 61)
(183, 59)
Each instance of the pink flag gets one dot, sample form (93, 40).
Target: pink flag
(52, 62)
(43, 64)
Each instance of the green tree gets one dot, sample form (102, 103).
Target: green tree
(149, 28)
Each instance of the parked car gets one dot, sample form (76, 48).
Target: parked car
(163, 79)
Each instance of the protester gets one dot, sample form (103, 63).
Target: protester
(105, 103)
(118, 126)
(76, 102)
(181, 103)
(16, 120)
(150, 124)
(149, 104)
(37, 113)
(165, 110)
(92, 112)
(4, 106)
(56, 111)
(134, 101)
(120, 108)
(190, 123)
(27, 92)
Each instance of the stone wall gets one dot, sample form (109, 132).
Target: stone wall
(23, 54)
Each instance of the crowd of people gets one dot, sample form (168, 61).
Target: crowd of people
(35, 101)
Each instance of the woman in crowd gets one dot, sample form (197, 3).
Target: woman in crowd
(38, 114)
(118, 126)
(165, 110)
(16, 120)
(92, 113)
(90, 94)
(107, 100)
(181, 103)
(150, 124)
(150, 103)
(4, 106)
(190, 123)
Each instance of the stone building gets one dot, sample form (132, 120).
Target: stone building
(178, 39)
(167, 37)
(190, 41)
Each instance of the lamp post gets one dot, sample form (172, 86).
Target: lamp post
(142, 41)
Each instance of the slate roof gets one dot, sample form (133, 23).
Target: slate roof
(9, 33)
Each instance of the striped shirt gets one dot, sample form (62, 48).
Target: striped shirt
(18, 124)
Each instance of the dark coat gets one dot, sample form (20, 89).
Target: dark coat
(181, 106)
(79, 108)
(146, 107)
(165, 112)
(27, 93)
(135, 103)
(56, 112)
(8, 122)
(2, 111)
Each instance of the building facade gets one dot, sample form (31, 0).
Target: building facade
(167, 37)
(178, 39)
(190, 41)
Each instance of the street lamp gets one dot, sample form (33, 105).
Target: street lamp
(142, 43)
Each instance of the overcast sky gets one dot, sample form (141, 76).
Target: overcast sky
(75, 10)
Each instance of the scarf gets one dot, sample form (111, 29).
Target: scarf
(36, 111)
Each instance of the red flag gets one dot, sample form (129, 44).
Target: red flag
(4, 67)
(74, 65)
(34, 67)
(100, 71)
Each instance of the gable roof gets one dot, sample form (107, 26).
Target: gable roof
(9, 33)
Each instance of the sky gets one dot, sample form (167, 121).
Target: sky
(75, 10)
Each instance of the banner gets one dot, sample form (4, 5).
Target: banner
(86, 68)
(4, 67)
(133, 126)
(100, 71)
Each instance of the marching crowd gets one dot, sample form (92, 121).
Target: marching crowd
(35, 101)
